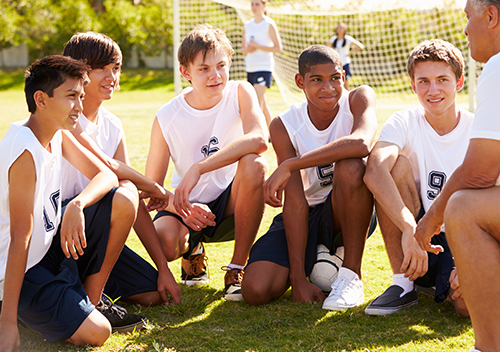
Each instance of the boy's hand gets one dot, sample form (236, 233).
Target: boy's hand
(9, 337)
(427, 227)
(200, 216)
(415, 262)
(159, 198)
(304, 291)
(168, 288)
(181, 197)
(455, 285)
(275, 184)
(73, 239)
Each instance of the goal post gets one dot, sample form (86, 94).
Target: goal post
(389, 30)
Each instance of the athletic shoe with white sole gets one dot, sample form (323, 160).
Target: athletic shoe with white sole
(120, 321)
(232, 284)
(391, 301)
(194, 270)
(347, 291)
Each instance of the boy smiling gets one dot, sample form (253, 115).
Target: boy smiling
(417, 151)
(214, 133)
(320, 145)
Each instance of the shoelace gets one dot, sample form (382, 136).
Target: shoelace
(235, 276)
(196, 265)
(339, 285)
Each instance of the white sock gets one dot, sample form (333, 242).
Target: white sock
(403, 282)
(235, 266)
(198, 250)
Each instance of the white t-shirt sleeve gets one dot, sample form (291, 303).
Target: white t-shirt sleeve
(394, 131)
(487, 120)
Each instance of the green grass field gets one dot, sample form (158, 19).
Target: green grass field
(204, 321)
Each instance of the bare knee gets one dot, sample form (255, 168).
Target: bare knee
(253, 169)
(146, 299)
(125, 204)
(253, 290)
(349, 173)
(258, 288)
(94, 331)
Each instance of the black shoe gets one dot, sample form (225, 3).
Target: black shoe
(108, 301)
(120, 321)
(390, 301)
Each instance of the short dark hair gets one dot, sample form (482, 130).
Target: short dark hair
(203, 38)
(437, 50)
(49, 73)
(97, 49)
(317, 55)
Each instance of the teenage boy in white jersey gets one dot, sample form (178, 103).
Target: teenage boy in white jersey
(133, 279)
(418, 149)
(53, 267)
(320, 145)
(214, 132)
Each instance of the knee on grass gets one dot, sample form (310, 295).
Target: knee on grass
(94, 331)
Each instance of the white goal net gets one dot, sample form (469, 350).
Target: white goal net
(389, 30)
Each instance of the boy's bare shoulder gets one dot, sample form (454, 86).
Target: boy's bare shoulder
(362, 95)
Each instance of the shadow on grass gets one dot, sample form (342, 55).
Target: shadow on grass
(284, 325)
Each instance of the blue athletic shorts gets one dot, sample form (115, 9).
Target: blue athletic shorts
(347, 70)
(52, 299)
(439, 267)
(221, 232)
(131, 275)
(272, 246)
(261, 77)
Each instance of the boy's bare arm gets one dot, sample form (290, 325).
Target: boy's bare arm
(480, 169)
(253, 141)
(356, 145)
(22, 181)
(379, 181)
(102, 181)
(295, 217)
(120, 165)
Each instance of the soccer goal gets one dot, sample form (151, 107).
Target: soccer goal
(389, 29)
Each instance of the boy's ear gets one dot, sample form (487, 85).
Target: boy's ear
(39, 98)
(460, 83)
(299, 81)
(413, 86)
(185, 72)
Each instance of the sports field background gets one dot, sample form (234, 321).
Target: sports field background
(204, 321)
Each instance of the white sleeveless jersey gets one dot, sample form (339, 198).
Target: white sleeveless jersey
(433, 157)
(107, 134)
(305, 137)
(47, 201)
(259, 60)
(193, 134)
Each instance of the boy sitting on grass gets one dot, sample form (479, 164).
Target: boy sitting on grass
(418, 149)
(320, 145)
(55, 258)
(133, 279)
(214, 132)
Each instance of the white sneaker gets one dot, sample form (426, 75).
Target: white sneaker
(347, 291)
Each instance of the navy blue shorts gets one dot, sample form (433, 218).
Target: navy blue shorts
(272, 246)
(261, 77)
(439, 267)
(221, 232)
(131, 275)
(347, 70)
(52, 299)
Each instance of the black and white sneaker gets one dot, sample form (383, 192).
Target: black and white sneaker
(120, 320)
(232, 284)
(390, 301)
